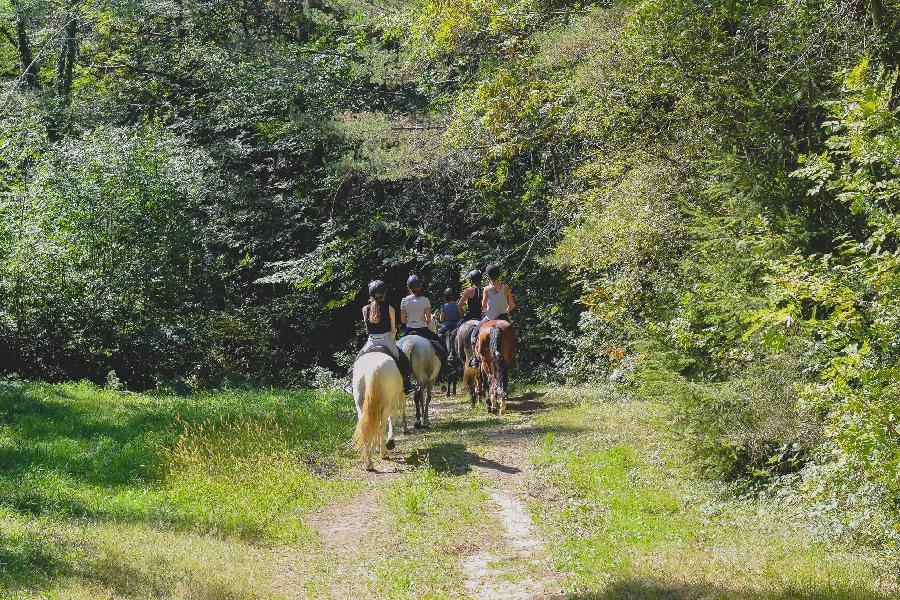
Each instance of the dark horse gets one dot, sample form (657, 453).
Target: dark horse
(495, 349)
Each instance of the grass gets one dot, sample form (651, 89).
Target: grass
(116, 494)
(435, 517)
(629, 520)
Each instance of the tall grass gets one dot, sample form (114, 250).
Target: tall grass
(81, 466)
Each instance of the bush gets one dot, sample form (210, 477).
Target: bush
(750, 427)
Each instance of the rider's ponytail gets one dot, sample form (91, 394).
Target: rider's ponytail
(374, 311)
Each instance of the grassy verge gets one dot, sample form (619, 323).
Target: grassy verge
(628, 520)
(106, 494)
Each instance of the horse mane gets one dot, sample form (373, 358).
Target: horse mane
(497, 355)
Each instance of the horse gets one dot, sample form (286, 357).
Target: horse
(378, 392)
(496, 348)
(473, 378)
(426, 366)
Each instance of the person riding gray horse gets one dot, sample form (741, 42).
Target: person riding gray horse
(469, 307)
(381, 325)
(415, 314)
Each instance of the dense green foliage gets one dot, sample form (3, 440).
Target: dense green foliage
(697, 198)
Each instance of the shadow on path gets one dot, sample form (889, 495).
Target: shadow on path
(451, 458)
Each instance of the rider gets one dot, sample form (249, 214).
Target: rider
(381, 325)
(496, 304)
(415, 313)
(470, 301)
(469, 304)
(449, 315)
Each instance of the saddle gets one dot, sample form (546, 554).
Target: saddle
(379, 350)
(439, 350)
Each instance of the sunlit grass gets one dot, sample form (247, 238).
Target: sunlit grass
(629, 520)
(434, 519)
(114, 494)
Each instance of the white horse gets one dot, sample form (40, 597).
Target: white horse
(426, 366)
(378, 392)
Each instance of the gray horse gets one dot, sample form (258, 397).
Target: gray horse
(426, 366)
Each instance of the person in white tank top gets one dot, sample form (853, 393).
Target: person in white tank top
(496, 301)
(415, 314)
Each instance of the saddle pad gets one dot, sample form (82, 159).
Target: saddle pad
(379, 349)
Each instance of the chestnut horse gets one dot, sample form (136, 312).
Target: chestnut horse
(495, 349)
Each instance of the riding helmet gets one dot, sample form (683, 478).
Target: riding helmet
(474, 277)
(493, 271)
(449, 294)
(378, 289)
(414, 282)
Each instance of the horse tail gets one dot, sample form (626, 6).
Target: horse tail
(497, 356)
(367, 428)
(469, 374)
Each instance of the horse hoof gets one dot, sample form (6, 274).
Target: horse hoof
(417, 425)
(427, 426)
(390, 444)
(370, 468)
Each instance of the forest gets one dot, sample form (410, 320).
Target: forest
(695, 202)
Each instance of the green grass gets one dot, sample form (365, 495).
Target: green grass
(105, 493)
(629, 520)
(434, 518)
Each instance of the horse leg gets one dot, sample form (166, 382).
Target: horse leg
(417, 397)
(385, 438)
(389, 444)
(403, 417)
(370, 466)
(427, 403)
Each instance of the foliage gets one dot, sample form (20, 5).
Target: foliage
(683, 195)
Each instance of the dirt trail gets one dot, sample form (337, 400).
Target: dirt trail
(516, 568)
(506, 562)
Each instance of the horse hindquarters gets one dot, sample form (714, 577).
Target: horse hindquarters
(378, 392)
(367, 426)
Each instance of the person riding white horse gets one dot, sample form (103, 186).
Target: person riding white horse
(381, 325)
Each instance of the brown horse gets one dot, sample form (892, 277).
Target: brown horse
(495, 349)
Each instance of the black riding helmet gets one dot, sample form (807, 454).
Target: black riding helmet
(474, 277)
(449, 295)
(414, 282)
(377, 289)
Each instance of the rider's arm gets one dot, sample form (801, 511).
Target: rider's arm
(393, 322)
(484, 301)
(402, 312)
(428, 313)
(441, 316)
(509, 299)
(464, 299)
(365, 313)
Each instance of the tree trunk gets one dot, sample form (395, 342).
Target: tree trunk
(29, 64)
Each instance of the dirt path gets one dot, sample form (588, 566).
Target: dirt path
(505, 559)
